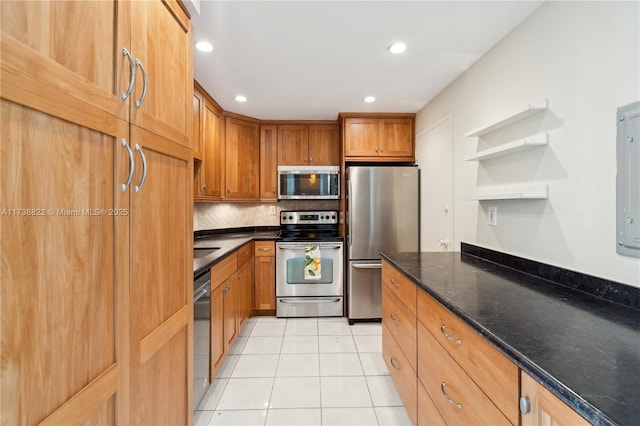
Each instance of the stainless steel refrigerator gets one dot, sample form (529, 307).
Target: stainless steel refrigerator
(383, 214)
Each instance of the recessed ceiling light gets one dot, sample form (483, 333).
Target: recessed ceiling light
(369, 99)
(396, 48)
(241, 98)
(204, 46)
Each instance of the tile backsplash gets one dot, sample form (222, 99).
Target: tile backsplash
(235, 215)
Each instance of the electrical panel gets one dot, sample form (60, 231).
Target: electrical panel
(628, 181)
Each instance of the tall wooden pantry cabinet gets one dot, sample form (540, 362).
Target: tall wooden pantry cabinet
(96, 226)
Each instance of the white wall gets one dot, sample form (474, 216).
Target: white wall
(583, 57)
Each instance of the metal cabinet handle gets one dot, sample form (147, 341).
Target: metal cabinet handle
(381, 149)
(201, 293)
(132, 165)
(264, 248)
(367, 266)
(245, 254)
(239, 276)
(443, 330)
(311, 160)
(204, 186)
(303, 301)
(228, 190)
(525, 405)
(392, 360)
(394, 317)
(227, 289)
(376, 149)
(138, 187)
(448, 398)
(144, 83)
(132, 73)
(395, 283)
(306, 159)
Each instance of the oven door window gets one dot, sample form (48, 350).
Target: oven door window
(295, 271)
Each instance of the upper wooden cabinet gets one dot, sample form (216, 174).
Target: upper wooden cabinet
(207, 153)
(376, 137)
(268, 163)
(242, 158)
(308, 145)
(159, 40)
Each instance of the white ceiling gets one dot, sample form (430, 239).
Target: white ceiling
(313, 59)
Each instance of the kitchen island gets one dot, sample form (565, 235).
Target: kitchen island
(583, 349)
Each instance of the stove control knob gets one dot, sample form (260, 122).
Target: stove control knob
(290, 217)
(321, 217)
(333, 217)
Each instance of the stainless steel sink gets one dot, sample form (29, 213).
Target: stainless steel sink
(203, 251)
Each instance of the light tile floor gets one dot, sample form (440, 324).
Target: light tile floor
(302, 371)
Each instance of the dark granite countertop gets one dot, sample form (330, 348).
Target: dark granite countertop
(228, 241)
(583, 349)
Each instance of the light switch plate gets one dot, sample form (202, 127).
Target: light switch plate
(272, 210)
(493, 216)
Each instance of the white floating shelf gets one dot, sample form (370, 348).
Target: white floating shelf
(511, 147)
(530, 111)
(540, 192)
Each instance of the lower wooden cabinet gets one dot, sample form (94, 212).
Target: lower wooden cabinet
(230, 299)
(265, 276)
(403, 376)
(457, 397)
(543, 408)
(245, 291)
(428, 414)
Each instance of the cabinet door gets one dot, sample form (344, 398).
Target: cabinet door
(324, 146)
(293, 145)
(396, 137)
(245, 301)
(265, 283)
(161, 42)
(361, 137)
(198, 112)
(546, 409)
(64, 283)
(217, 330)
(65, 58)
(268, 162)
(212, 182)
(230, 311)
(242, 158)
(161, 276)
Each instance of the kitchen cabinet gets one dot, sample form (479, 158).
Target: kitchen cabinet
(460, 377)
(378, 137)
(268, 162)
(265, 277)
(230, 302)
(222, 310)
(242, 159)
(207, 139)
(245, 284)
(540, 407)
(399, 336)
(106, 261)
(308, 145)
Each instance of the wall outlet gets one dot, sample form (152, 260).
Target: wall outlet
(493, 216)
(272, 210)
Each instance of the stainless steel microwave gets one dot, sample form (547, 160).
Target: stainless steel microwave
(308, 182)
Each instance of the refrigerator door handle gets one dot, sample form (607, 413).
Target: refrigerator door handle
(349, 221)
(367, 265)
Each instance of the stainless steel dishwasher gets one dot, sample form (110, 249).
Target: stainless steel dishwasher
(201, 335)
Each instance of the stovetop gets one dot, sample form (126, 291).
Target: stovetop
(309, 225)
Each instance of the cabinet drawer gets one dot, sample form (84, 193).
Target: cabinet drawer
(428, 414)
(265, 248)
(403, 376)
(245, 253)
(221, 271)
(492, 371)
(399, 285)
(401, 323)
(458, 399)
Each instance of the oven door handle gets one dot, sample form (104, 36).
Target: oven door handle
(302, 247)
(337, 299)
(199, 294)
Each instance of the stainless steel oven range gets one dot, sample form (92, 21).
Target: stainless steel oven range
(309, 265)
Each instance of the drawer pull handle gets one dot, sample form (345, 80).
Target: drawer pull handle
(264, 249)
(394, 283)
(443, 330)
(394, 317)
(525, 405)
(392, 360)
(448, 398)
